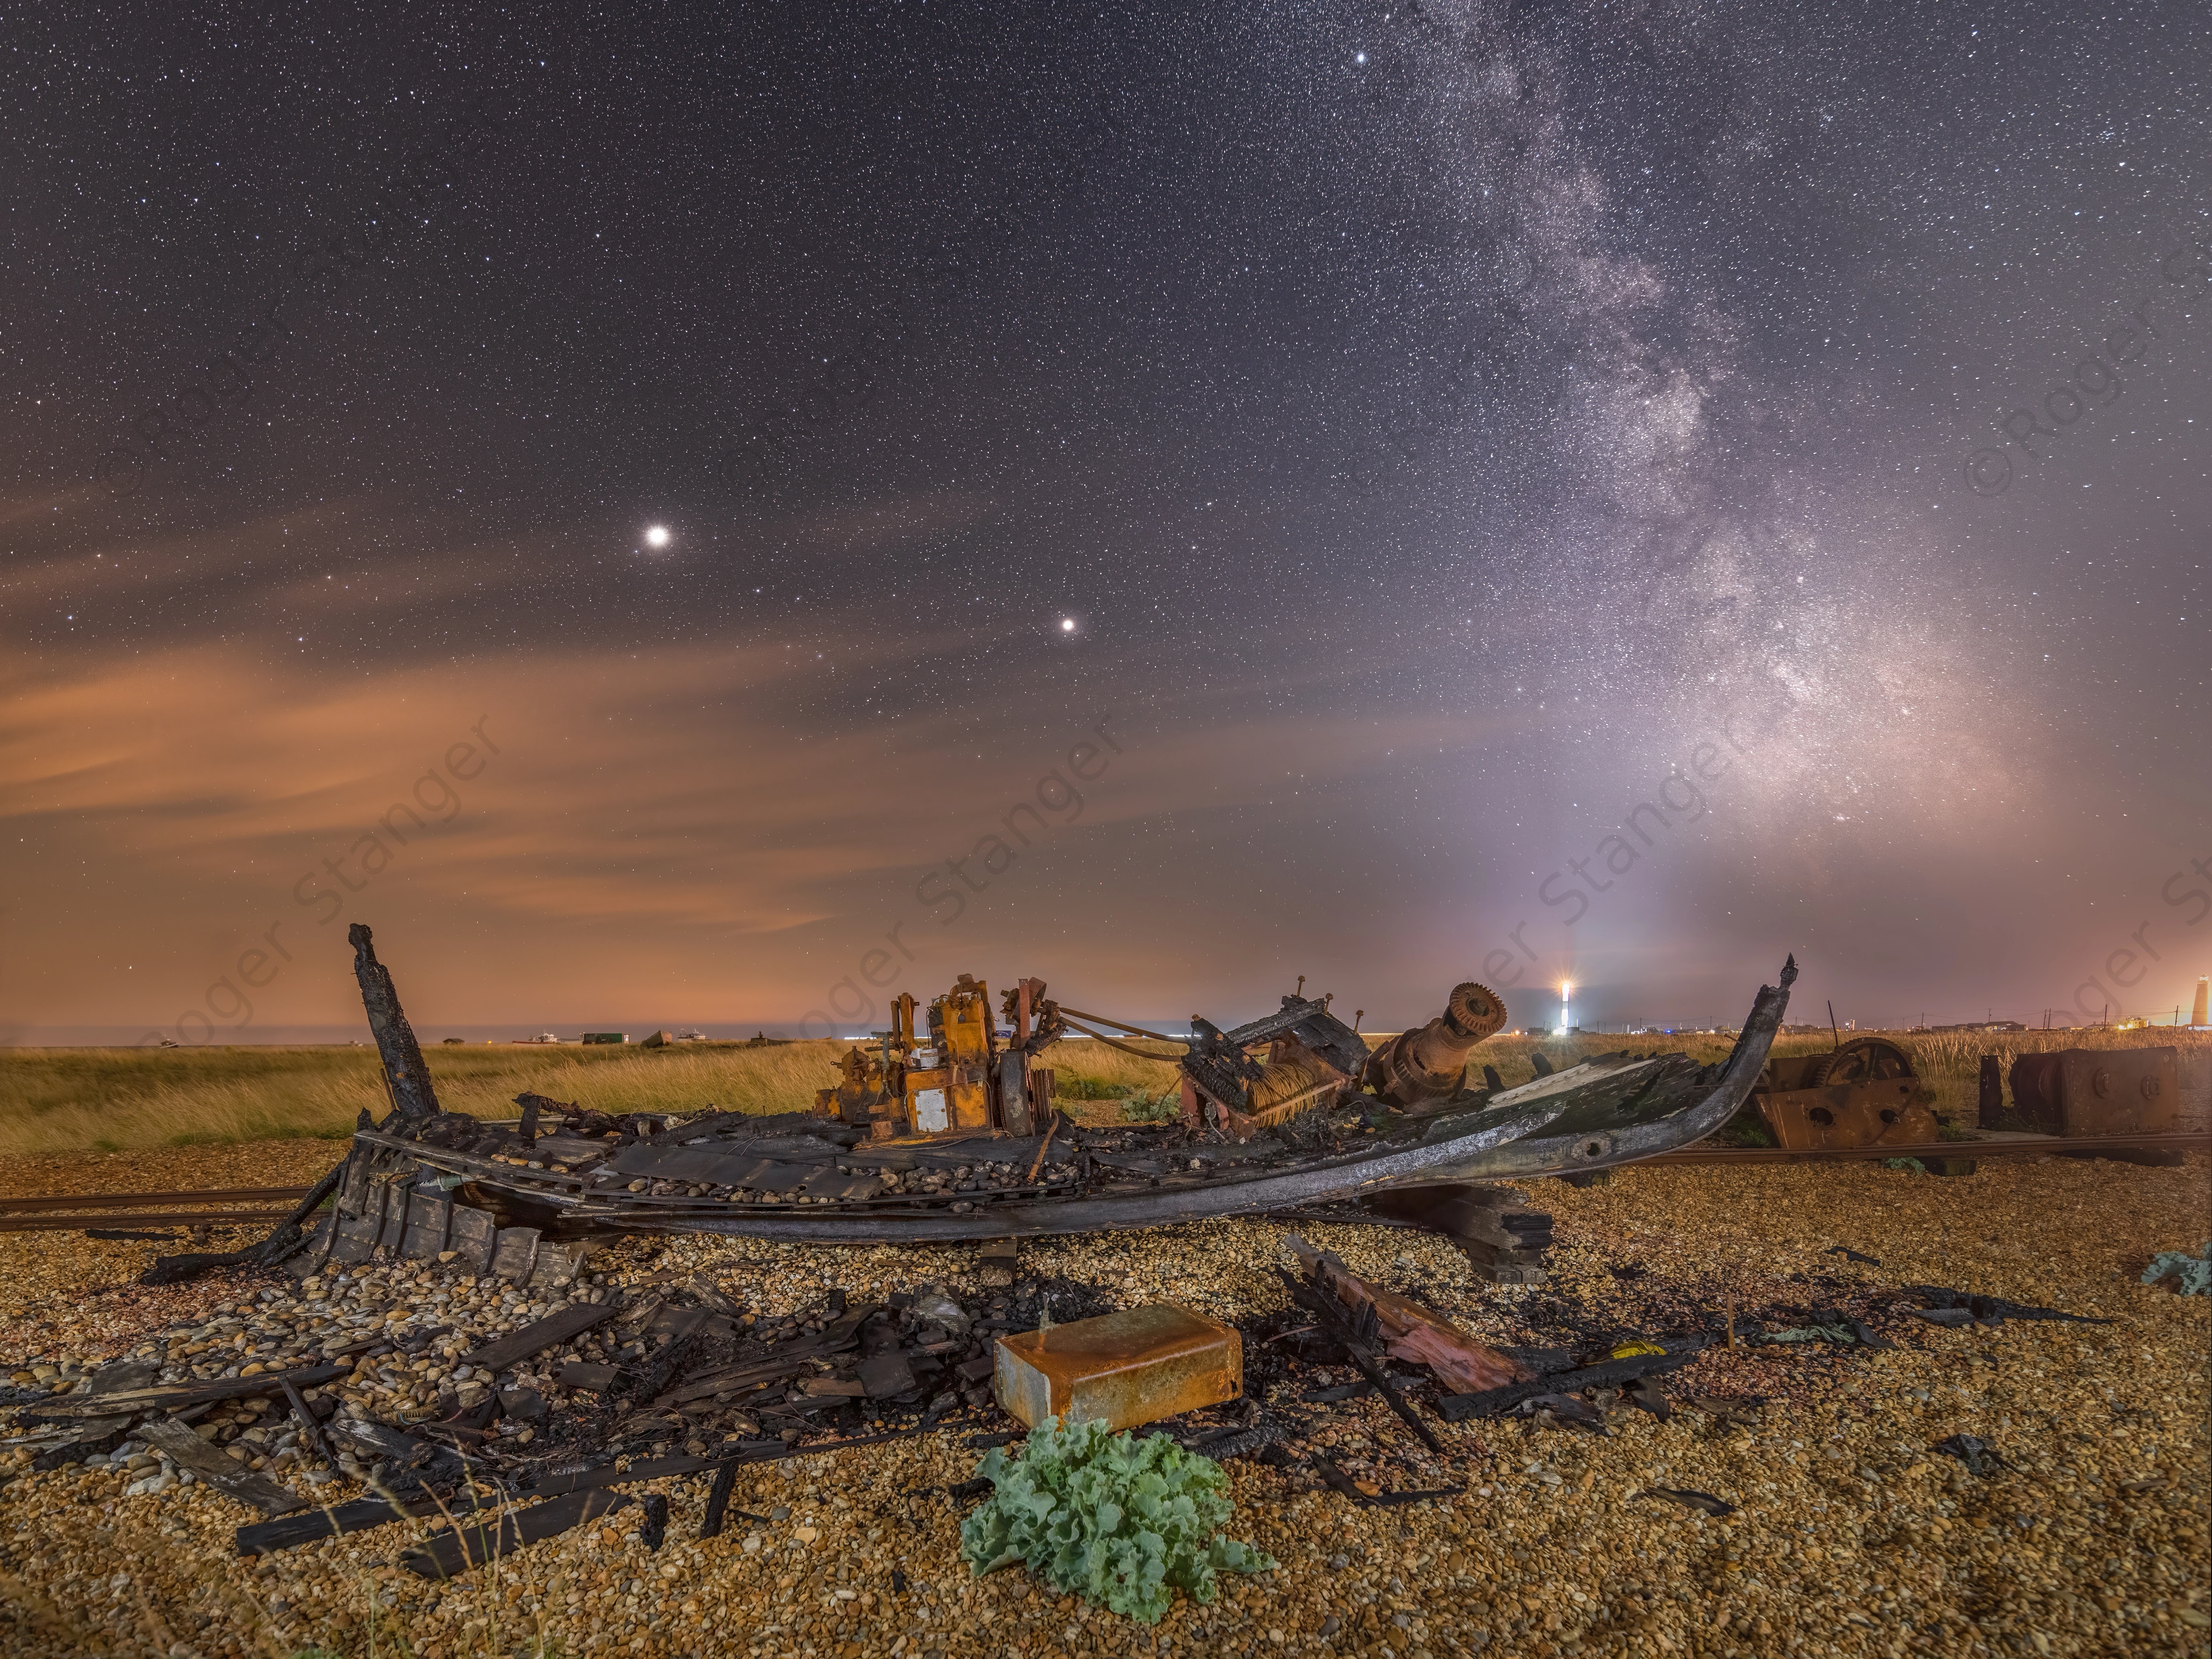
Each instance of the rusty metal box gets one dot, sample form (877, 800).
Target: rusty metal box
(2098, 1091)
(1123, 1369)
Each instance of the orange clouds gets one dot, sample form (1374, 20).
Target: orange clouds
(579, 819)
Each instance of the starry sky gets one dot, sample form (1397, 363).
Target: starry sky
(715, 515)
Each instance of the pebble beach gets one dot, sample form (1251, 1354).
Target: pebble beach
(1845, 1530)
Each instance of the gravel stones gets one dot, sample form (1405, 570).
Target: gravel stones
(1851, 1533)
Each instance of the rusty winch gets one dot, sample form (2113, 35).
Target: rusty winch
(1862, 1093)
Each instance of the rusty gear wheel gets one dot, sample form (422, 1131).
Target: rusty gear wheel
(1862, 1059)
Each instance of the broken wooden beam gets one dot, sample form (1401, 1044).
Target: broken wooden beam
(588, 1375)
(176, 1396)
(1489, 1402)
(453, 1552)
(1411, 1333)
(310, 1425)
(312, 1526)
(729, 1380)
(420, 1461)
(87, 1435)
(570, 1322)
(219, 1468)
(1000, 1263)
(718, 1501)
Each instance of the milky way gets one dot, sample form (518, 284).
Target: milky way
(1168, 500)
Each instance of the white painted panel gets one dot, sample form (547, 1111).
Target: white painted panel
(929, 1114)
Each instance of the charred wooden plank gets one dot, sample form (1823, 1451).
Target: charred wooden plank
(1460, 1407)
(456, 1550)
(729, 1381)
(1414, 1334)
(87, 1435)
(612, 1474)
(219, 1469)
(718, 1501)
(310, 1425)
(312, 1526)
(413, 1099)
(415, 1462)
(176, 1396)
(572, 1322)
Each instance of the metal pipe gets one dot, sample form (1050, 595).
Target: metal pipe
(1133, 1030)
(1101, 1036)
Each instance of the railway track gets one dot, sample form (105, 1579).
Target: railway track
(246, 1205)
(76, 1211)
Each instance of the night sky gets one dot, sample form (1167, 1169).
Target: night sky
(1162, 500)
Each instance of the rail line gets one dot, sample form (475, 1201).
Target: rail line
(69, 1223)
(74, 1212)
(147, 1200)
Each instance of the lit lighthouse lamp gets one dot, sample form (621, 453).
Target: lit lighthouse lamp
(1566, 1007)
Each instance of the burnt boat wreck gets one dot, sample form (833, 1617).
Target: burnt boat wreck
(944, 1130)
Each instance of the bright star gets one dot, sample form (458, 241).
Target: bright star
(657, 536)
(1067, 624)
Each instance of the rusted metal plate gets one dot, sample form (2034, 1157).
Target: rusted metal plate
(2098, 1091)
(1120, 1369)
(1847, 1115)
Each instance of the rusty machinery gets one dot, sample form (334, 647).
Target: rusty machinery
(1313, 1057)
(2094, 1091)
(1863, 1093)
(1430, 1063)
(957, 1077)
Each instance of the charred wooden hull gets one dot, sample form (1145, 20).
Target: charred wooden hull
(1600, 1113)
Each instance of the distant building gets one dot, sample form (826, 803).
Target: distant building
(2200, 1014)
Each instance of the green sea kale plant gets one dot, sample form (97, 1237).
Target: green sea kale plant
(1119, 1522)
(2192, 1274)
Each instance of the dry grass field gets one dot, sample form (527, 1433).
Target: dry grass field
(58, 1100)
(75, 1100)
